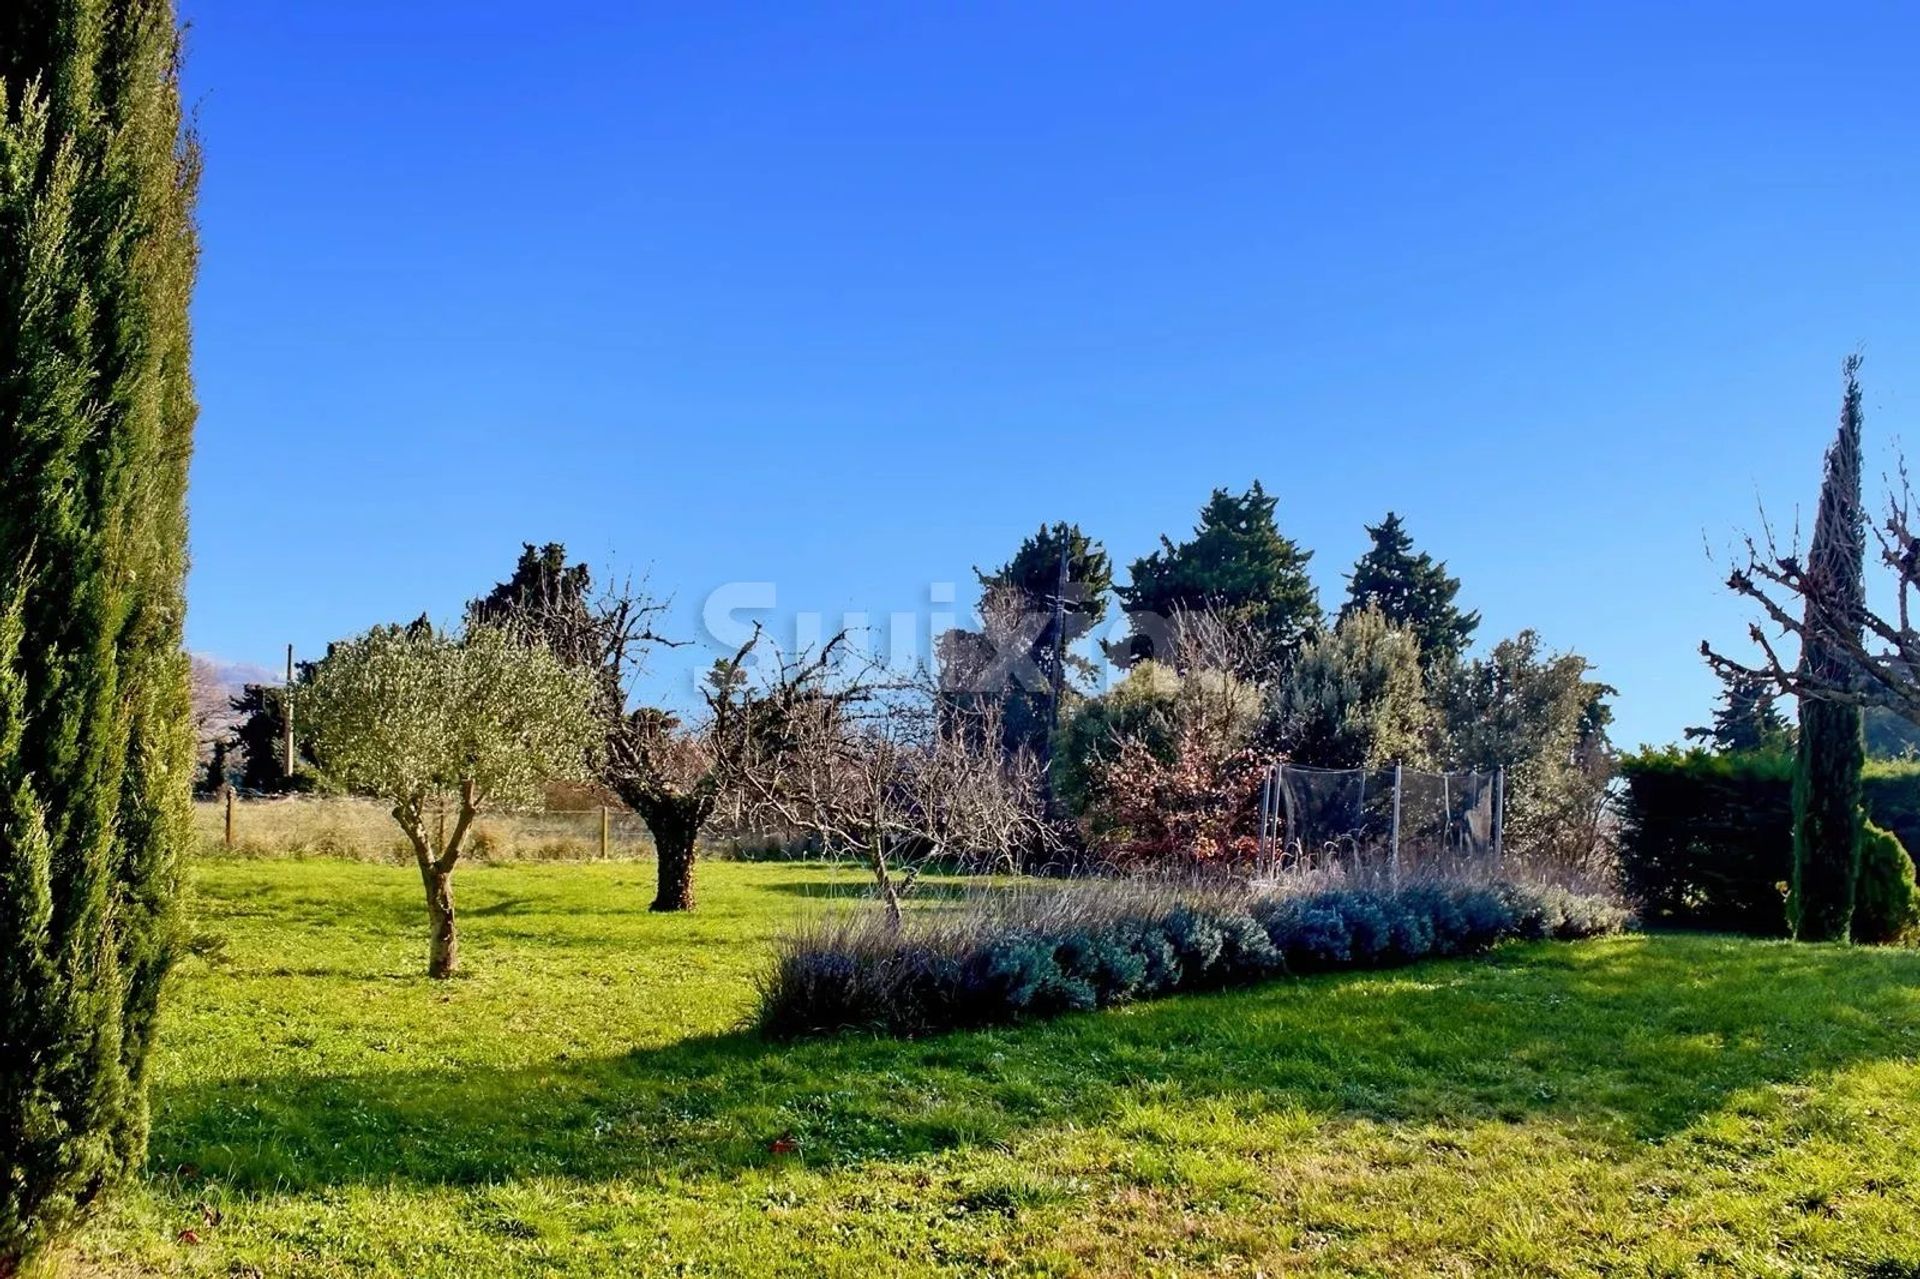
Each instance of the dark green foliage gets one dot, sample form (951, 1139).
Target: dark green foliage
(1142, 710)
(217, 775)
(1886, 907)
(1033, 576)
(551, 603)
(260, 734)
(899, 983)
(542, 583)
(1540, 716)
(1412, 591)
(1826, 782)
(1011, 662)
(1238, 565)
(1747, 719)
(1826, 821)
(1706, 841)
(96, 752)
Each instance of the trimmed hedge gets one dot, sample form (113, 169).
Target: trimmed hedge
(1001, 969)
(1706, 841)
(1886, 905)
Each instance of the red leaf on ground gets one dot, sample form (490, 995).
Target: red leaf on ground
(189, 1236)
(783, 1145)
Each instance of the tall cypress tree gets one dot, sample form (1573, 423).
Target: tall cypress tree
(97, 256)
(1826, 780)
(1412, 591)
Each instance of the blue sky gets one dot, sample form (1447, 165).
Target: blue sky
(847, 299)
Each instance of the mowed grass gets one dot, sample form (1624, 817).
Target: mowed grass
(583, 1102)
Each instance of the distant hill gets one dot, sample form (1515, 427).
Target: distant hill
(215, 682)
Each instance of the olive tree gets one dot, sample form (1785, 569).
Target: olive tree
(430, 722)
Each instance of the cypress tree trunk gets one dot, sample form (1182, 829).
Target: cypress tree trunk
(96, 418)
(1826, 779)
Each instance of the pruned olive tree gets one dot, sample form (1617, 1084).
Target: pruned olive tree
(430, 723)
(676, 774)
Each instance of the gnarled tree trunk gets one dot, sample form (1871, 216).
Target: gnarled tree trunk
(443, 946)
(436, 876)
(674, 818)
(673, 845)
(674, 821)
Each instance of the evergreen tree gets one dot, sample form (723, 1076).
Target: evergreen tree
(214, 779)
(97, 258)
(1017, 605)
(261, 735)
(1412, 591)
(1237, 564)
(1033, 577)
(544, 593)
(1542, 717)
(1826, 779)
(1356, 698)
(1748, 718)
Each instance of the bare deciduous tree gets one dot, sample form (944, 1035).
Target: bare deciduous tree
(876, 768)
(1807, 603)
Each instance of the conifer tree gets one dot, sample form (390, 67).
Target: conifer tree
(1033, 575)
(97, 256)
(1411, 591)
(1747, 719)
(1018, 604)
(1826, 779)
(1237, 565)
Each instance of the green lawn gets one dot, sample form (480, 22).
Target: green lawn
(581, 1102)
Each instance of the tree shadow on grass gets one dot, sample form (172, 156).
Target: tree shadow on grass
(1636, 1038)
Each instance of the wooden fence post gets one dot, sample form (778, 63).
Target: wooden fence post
(604, 833)
(229, 819)
(1393, 853)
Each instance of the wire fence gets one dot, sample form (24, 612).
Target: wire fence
(339, 826)
(1391, 821)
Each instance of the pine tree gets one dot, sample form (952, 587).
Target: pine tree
(1413, 592)
(1033, 576)
(1017, 606)
(1826, 780)
(1747, 719)
(1237, 564)
(97, 258)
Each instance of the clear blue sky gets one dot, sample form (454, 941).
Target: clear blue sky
(847, 299)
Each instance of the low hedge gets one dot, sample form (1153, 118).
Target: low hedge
(1706, 840)
(1041, 960)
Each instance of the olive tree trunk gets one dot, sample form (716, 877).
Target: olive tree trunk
(436, 876)
(443, 944)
